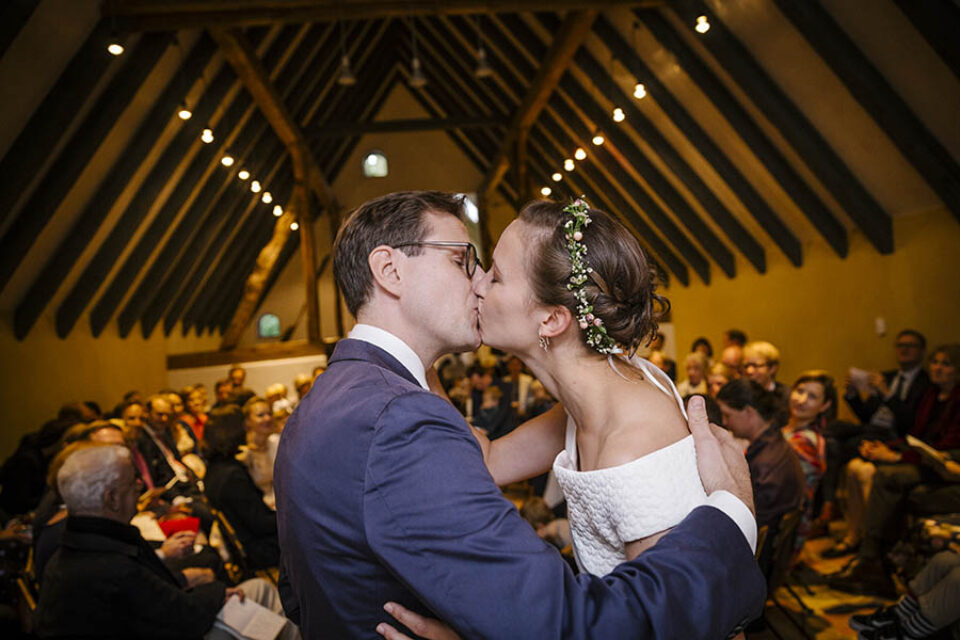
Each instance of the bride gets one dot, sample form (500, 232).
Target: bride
(572, 294)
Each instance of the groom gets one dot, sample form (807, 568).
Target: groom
(382, 493)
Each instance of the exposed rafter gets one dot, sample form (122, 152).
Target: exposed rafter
(165, 15)
(405, 125)
(565, 43)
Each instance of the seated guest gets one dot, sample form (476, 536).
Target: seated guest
(775, 471)
(517, 388)
(761, 361)
(230, 488)
(183, 436)
(489, 414)
(732, 356)
(106, 581)
(926, 489)
(695, 365)
(225, 393)
(703, 345)
(317, 371)
(195, 416)
(302, 384)
(156, 442)
(717, 377)
(734, 338)
(237, 376)
(260, 451)
(931, 604)
(813, 406)
(541, 401)
(277, 397)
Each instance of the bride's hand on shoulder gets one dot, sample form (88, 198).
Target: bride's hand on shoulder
(720, 459)
(428, 628)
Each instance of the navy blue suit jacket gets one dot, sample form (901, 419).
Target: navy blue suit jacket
(382, 494)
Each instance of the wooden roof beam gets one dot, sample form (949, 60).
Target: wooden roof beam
(571, 35)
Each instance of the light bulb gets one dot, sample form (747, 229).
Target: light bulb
(580, 154)
(184, 113)
(294, 226)
(639, 91)
(255, 186)
(277, 210)
(115, 48)
(243, 174)
(557, 177)
(207, 135)
(227, 161)
(618, 115)
(266, 198)
(546, 191)
(598, 139)
(568, 164)
(702, 25)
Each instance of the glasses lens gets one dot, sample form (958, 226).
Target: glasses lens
(470, 260)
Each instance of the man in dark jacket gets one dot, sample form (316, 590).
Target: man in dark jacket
(106, 581)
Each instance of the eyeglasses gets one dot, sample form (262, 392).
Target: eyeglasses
(909, 345)
(755, 365)
(470, 258)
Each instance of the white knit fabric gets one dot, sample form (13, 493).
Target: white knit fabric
(612, 506)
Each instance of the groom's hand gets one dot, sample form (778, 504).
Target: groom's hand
(720, 459)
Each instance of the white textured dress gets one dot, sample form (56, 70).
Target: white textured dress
(609, 507)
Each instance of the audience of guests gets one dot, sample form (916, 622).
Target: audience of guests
(260, 451)
(777, 477)
(106, 581)
(719, 375)
(231, 489)
(761, 361)
(703, 346)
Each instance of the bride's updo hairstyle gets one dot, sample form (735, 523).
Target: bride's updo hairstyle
(621, 287)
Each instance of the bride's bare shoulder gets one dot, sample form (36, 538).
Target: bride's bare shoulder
(650, 420)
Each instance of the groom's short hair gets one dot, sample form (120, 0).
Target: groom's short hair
(393, 219)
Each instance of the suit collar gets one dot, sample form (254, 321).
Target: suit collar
(359, 350)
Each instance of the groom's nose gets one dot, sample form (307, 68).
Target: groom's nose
(477, 283)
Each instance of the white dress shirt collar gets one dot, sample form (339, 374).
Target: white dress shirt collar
(394, 346)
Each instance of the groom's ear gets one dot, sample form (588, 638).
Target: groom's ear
(556, 321)
(384, 262)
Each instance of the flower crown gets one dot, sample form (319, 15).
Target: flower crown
(597, 336)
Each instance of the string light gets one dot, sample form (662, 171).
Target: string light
(207, 135)
(568, 164)
(546, 191)
(598, 139)
(266, 198)
(639, 91)
(227, 161)
(277, 210)
(115, 48)
(294, 226)
(255, 186)
(580, 154)
(184, 113)
(618, 115)
(244, 174)
(702, 24)
(557, 177)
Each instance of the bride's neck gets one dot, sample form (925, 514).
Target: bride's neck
(584, 385)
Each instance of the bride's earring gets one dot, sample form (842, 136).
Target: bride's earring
(544, 341)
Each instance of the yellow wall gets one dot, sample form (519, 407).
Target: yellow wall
(823, 314)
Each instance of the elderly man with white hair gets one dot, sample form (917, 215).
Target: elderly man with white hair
(106, 581)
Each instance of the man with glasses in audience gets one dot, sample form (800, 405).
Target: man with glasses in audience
(761, 361)
(383, 493)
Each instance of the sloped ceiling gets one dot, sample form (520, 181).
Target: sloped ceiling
(782, 125)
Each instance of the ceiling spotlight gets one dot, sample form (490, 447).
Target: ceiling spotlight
(417, 79)
(115, 48)
(184, 113)
(557, 177)
(227, 161)
(546, 191)
(277, 210)
(243, 174)
(346, 77)
(580, 154)
(702, 25)
(483, 67)
(266, 198)
(207, 135)
(639, 91)
(598, 139)
(294, 226)
(618, 115)
(568, 164)
(255, 186)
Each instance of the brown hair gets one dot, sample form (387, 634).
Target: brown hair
(622, 284)
(829, 389)
(393, 219)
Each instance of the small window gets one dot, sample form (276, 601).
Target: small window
(375, 165)
(268, 326)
